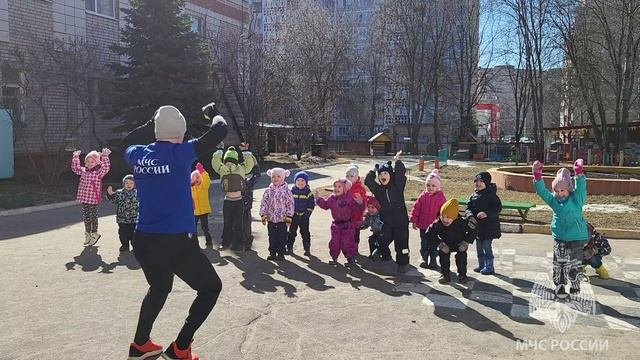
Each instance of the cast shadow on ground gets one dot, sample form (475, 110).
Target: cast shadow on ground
(479, 294)
(90, 260)
(357, 277)
(14, 226)
(629, 290)
(257, 274)
(457, 312)
(600, 308)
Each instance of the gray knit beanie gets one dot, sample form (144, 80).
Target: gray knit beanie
(169, 123)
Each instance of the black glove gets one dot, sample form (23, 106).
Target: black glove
(209, 111)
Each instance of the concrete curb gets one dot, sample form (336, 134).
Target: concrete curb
(32, 209)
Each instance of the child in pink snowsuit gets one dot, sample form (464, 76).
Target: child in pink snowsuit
(425, 211)
(343, 228)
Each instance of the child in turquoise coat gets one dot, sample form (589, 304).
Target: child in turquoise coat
(568, 227)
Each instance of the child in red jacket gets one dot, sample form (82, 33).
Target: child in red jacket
(425, 211)
(353, 175)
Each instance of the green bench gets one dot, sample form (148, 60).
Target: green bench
(522, 207)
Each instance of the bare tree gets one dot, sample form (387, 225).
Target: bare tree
(601, 40)
(306, 65)
(535, 33)
(470, 43)
(418, 35)
(54, 72)
(239, 71)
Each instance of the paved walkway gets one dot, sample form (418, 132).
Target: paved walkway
(61, 300)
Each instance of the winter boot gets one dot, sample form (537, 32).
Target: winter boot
(445, 279)
(602, 272)
(488, 267)
(208, 240)
(433, 263)
(480, 264)
(94, 238)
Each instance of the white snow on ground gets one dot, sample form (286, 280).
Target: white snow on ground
(602, 208)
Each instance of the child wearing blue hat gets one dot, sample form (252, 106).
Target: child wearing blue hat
(304, 202)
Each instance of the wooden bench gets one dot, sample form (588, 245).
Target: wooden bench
(522, 207)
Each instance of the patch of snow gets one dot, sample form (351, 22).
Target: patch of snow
(603, 208)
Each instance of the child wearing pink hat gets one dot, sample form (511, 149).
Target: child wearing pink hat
(276, 210)
(343, 228)
(89, 194)
(568, 227)
(425, 211)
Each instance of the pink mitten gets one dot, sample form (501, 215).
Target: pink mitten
(578, 167)
(200, 168)
(196, 178)
(536, 169)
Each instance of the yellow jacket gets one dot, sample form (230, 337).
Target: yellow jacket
(200, 195)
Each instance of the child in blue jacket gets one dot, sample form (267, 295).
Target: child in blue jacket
(304, 202)
(568, 227)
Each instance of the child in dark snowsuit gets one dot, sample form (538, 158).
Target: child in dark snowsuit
(304, 202)
(452, 233)
(126, 201)
(393, 210)
(342, 205)
(372, 220)
(485, 206)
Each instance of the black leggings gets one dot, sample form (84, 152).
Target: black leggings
(233, 230)
(162, 256)
(90, 216)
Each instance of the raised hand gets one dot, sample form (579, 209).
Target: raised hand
(106, 152)
(358, 198)
(395, 158)
(536, 170)
(110, 190)
(77, 153)
(578, 167)
(244, 146)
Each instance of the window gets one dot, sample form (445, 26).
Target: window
(102, 7)
(197, 24)
(11, 93)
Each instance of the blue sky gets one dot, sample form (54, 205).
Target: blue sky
(498, 33)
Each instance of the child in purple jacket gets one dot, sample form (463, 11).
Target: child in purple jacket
(343, 228)
(276, 208)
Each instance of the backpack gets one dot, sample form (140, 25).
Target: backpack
(233, 183)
